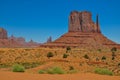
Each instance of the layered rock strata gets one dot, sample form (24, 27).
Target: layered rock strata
(82, 33)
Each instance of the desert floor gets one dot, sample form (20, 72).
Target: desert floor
(31, 57)
(4, 75)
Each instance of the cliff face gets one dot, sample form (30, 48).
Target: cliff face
(82, 22)
(82, 33)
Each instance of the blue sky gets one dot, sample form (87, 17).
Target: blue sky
(39, 19)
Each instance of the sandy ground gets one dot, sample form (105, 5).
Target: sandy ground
(4, 75)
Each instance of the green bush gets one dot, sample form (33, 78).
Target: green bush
(50, 54)
(42, 72)
(18, 68)
(55, 70)
(65, 55)
(103, 71)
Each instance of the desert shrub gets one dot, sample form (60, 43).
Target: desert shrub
(68, 49)
(18, 68)
(72, 71)
(41, 71)
(118, 64)
(71, 68)
(28, 49)
(28, 65)
(50, 54)
(114, 49)
(65, 55)
(80, 64)
(55, 70)
(103, 58)
(4, 66)
(113, 57)
(37, 55)
(97, 59)
(99, 50)
(86, 56)
(103, 71)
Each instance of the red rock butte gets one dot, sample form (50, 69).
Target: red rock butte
(12, 42)
(82, 33)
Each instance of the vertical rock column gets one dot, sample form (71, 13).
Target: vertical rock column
(82, 22)
(3, 34)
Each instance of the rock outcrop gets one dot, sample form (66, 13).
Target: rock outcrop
(82, 33)
(49, 39)
(12, 41)
(32, 43)
(3, 34)
(82, 22)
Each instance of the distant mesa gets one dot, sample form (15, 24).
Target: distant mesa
(12, 41)
(3, 34)
(49, 39)
(82, 33)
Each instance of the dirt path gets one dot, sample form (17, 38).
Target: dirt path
(4, 75)
(36, 69)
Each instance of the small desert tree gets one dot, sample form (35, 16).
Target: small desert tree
(50, 54)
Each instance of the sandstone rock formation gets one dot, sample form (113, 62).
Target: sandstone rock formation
(82, 22)
(32, 43)
(3, 34)
(49, 39)
(82, 33)
(12, 41)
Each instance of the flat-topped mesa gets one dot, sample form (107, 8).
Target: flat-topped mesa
(82, 33)
(82, 22)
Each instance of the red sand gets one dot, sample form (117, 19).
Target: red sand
(4, 75)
